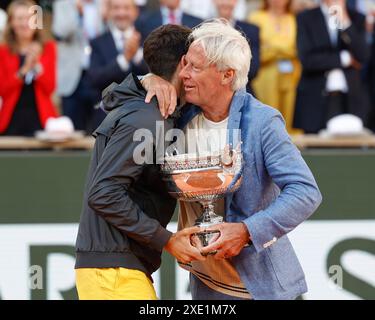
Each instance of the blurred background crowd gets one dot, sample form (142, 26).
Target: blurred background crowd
(302, 63)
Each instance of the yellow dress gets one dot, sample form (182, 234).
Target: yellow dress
(280, 70)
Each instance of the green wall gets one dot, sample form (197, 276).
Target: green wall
(47, 187)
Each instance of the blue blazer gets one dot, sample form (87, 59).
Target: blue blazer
(251, 32)
(152, 20)
(278, 192)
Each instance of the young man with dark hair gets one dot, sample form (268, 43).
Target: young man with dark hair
(166, 43)
(126, 207)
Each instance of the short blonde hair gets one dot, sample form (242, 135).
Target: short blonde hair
(225, 47)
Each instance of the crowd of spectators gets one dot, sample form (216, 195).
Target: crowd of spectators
(312, 59)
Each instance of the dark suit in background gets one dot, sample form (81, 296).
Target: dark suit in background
(352, 4)
(151, 20)
(319, 56)
(104, 68)
(251, 32)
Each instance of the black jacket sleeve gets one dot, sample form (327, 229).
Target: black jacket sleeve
(354, 38)
(102, 73)
(109, 191)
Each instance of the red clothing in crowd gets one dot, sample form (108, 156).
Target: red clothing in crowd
(11, 85)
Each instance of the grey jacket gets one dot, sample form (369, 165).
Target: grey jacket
(126, 206)
(67, 29)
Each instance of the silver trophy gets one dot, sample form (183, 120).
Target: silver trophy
(203, 179)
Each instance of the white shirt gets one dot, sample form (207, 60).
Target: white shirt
(205, 136)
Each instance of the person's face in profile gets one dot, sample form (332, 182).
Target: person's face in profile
(201, 81)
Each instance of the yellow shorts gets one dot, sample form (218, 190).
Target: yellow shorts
(113, 284)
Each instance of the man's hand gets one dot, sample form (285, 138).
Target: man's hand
(233, 237)
(132, 45)
(180, 246)
(164, 91)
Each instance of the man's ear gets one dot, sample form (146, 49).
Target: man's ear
(227, 77)
(180, 65)
(182, 61)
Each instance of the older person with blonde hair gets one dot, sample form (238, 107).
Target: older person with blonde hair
(254, 258)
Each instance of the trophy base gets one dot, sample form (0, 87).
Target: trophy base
(205, 238)
(207, 220)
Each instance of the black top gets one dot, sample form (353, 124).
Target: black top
(25, 119)
(126, 205)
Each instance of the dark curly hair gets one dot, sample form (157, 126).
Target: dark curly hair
(164, 48)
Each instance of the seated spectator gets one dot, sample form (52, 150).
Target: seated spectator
(74, 23)
(332, 50)
(279, 71)
(28, 76)
(118, 51)
(225, 9)
(170, 12)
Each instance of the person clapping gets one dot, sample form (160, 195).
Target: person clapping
(28, 76)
